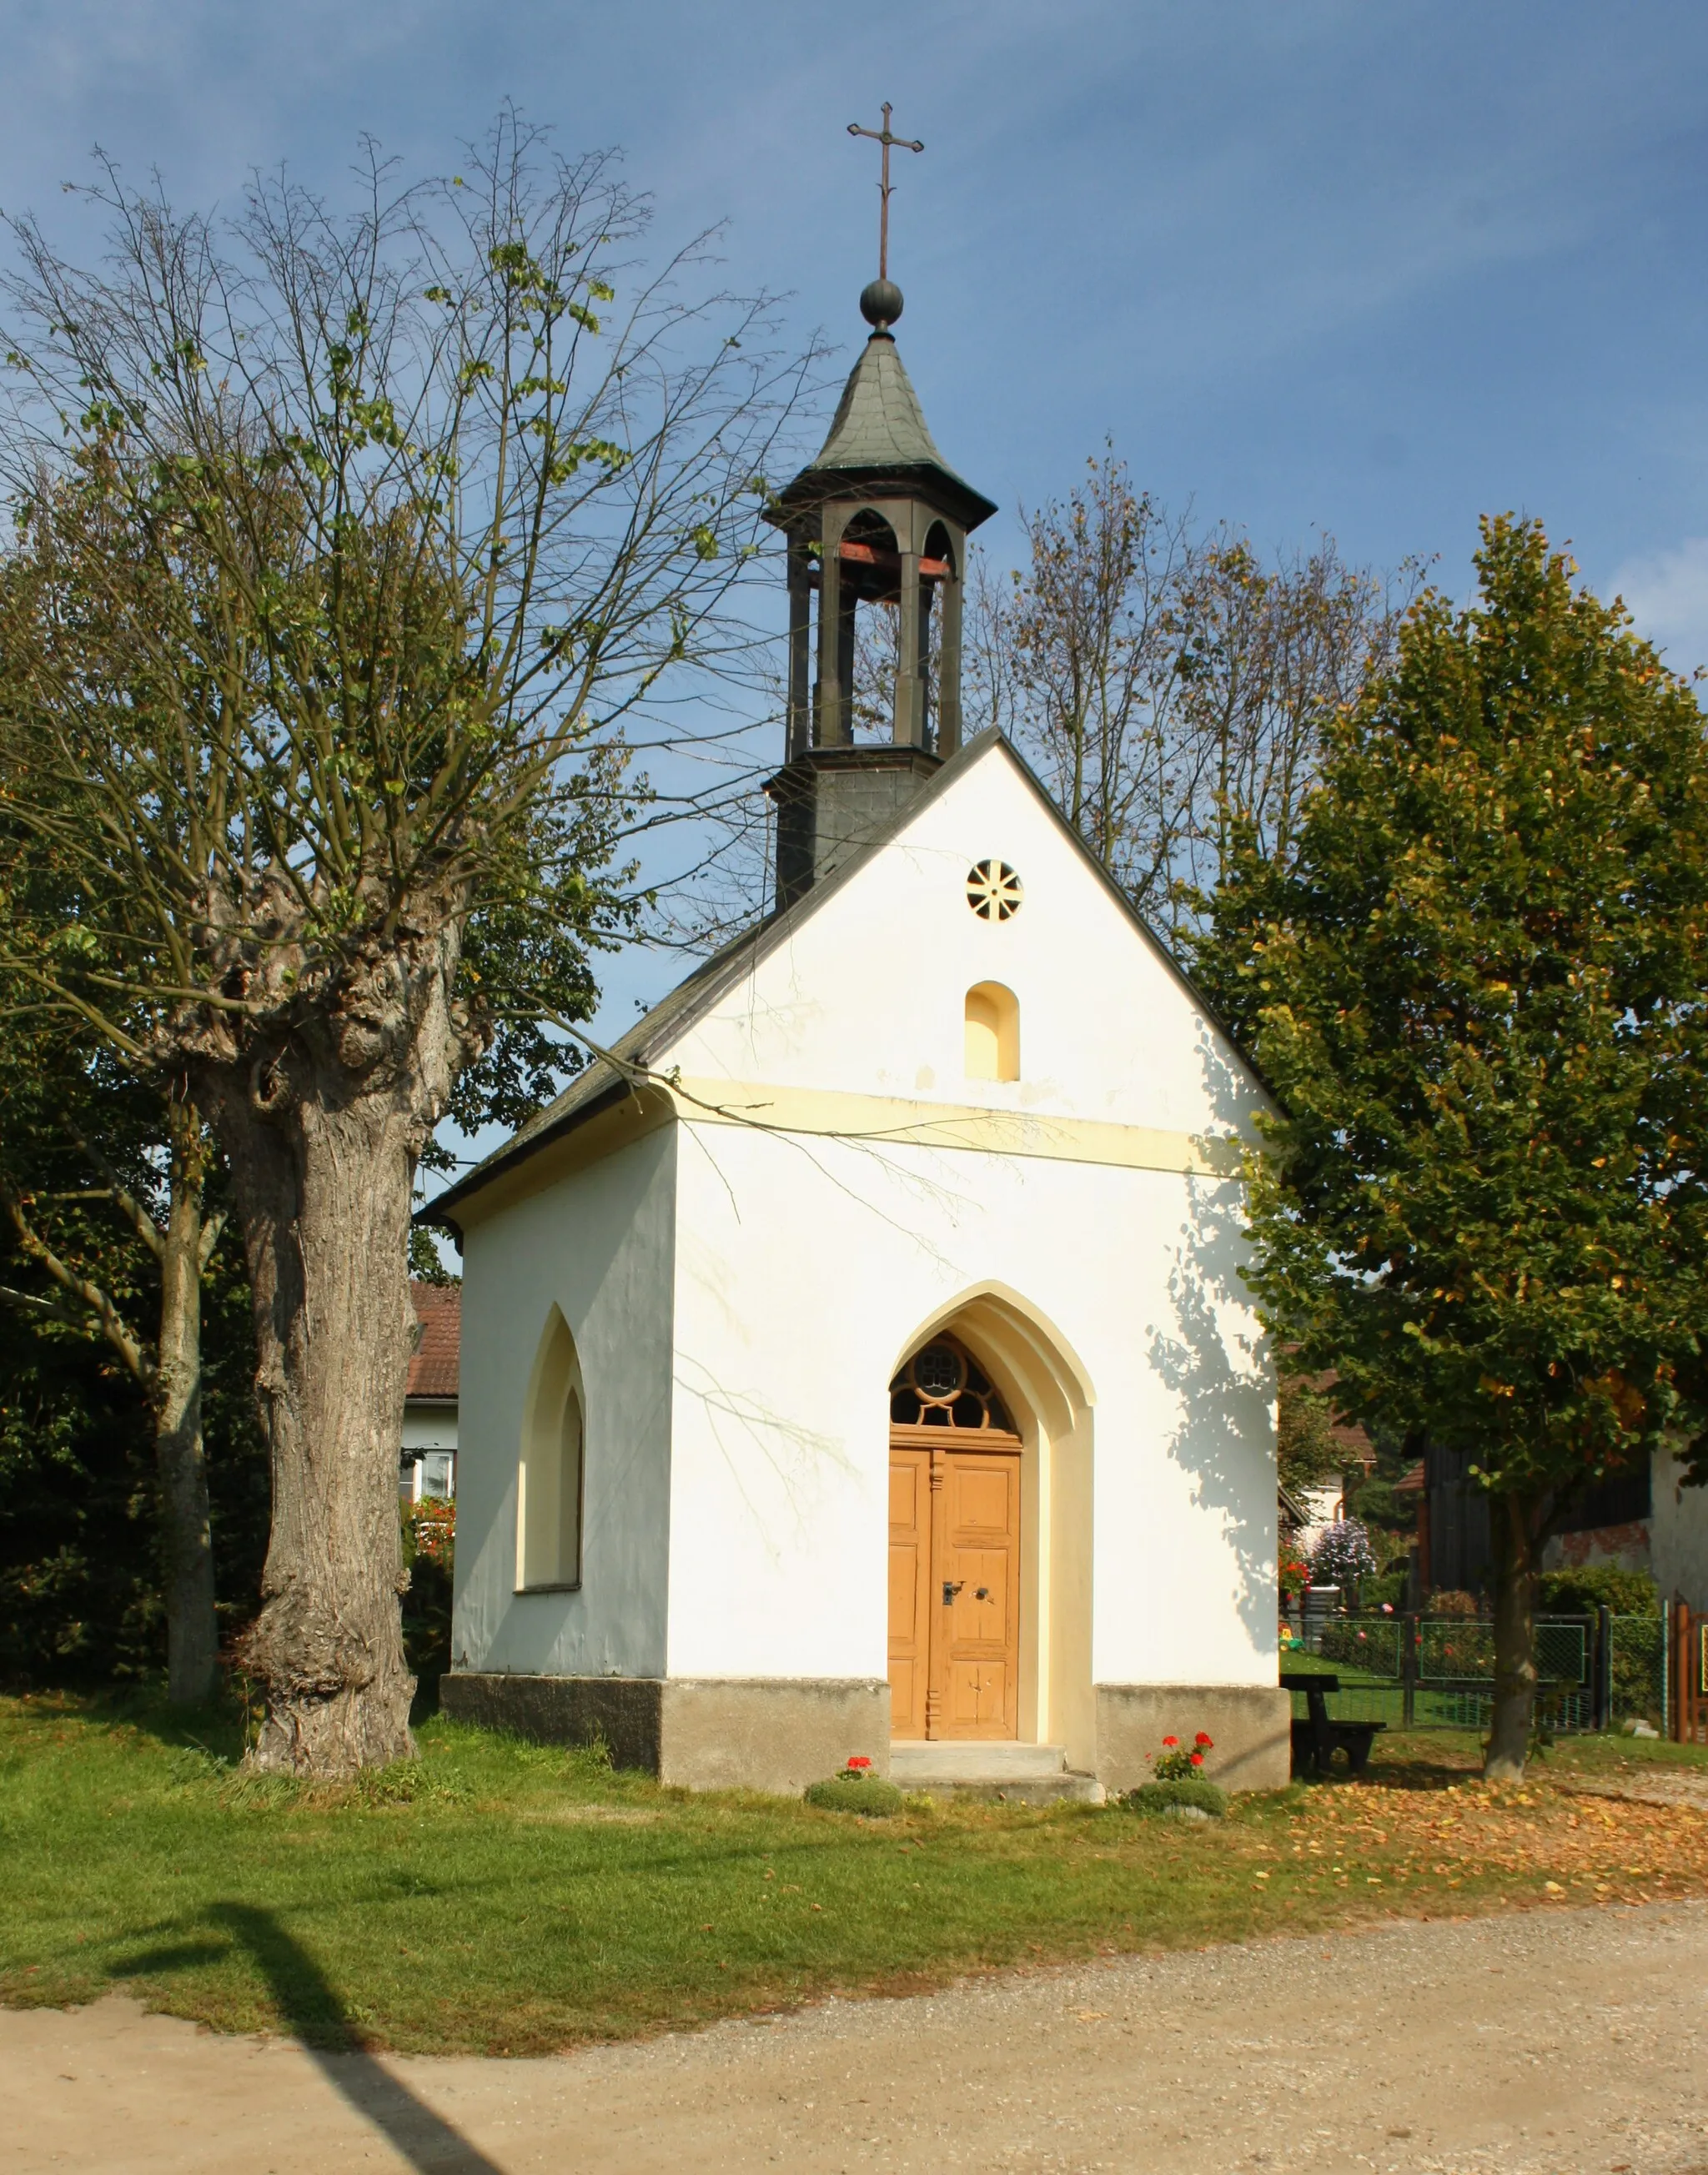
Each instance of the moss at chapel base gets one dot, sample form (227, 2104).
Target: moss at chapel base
(870, 1794)
(1190, 1794)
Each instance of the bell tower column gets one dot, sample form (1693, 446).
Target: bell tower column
(907, 710)
(949, 655)
(833, 726)
(799, 735)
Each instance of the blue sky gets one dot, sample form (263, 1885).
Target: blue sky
(1359, 265)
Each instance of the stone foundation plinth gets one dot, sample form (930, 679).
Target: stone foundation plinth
(1251, 1724)
(701, 1732)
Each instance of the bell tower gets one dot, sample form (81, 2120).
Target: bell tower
(878, 520)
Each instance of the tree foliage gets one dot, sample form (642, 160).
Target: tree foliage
(1307, 1454)
(1475, 986)
(82, 1558)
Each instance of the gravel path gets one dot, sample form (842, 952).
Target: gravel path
(1537, 2043)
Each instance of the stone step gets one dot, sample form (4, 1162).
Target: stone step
(999, 1770)
(975, 1759)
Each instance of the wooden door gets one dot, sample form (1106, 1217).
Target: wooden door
(910, 1589)
(978, 1535)
(954, 1549)
(954, 1585)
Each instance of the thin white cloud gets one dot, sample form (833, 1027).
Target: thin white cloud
(1667, 594)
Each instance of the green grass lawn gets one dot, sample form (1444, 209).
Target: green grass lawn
(506, 1897)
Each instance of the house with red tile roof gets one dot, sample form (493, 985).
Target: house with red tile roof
(429, 1462)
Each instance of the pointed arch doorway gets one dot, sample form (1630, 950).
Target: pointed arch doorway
(955, 1550)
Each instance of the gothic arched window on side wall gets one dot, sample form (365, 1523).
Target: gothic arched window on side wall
(992, 1032)
(550, 1470)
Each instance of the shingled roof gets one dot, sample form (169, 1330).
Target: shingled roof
(879, 430)
(438, 1342)
(879, 422)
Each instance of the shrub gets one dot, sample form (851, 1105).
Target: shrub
(1292, 1573)
(853, 1790)
(1342, 1554)
(1600, 1586)
(430, 1541)
(1189, 1795)
(1389, 1586)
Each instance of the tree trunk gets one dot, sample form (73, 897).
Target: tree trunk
(322, 1135)
(324, 1197)
(1512, 1528)
(192, 1636)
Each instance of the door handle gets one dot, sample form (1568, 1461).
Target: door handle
(981, 1593)
(952, 1586)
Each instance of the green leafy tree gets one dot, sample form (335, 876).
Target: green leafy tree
(347, 547)
(1306, 1452)
(1476, 984)
(91, 1567)
(103, 1185)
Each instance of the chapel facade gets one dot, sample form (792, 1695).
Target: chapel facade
(860, 1364)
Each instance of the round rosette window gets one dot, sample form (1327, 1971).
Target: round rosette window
(994, 890)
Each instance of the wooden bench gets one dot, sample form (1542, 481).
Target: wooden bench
(1316, 1737)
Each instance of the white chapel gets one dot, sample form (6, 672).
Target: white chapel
(860, 1363)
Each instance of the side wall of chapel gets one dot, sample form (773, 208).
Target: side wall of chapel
(596, 1246)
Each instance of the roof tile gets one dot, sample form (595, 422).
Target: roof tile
(438, 1343)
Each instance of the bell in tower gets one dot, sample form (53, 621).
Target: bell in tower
(879, 520)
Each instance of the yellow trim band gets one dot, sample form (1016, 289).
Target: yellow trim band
(879, 1120)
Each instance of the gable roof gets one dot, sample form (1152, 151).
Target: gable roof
(435, 1361)
(609, 1079)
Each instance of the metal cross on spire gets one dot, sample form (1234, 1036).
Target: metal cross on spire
(902, 142)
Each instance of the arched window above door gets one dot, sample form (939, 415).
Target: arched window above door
(944, 1386)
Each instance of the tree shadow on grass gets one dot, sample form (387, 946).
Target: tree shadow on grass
(312, 2006)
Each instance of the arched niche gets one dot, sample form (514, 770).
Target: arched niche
(992, 1032)
(550, 1466)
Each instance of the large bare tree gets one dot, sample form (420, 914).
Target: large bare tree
(1170, 685)
(347, 545)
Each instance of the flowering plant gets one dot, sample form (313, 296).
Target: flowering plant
(1175, 1764)
(856, 1769)
(1344, 1554)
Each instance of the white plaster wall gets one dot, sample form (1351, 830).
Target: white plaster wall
(1678, 1534)
(429, 1427)
(806, 1270)
(868, 994)
(598, 1243)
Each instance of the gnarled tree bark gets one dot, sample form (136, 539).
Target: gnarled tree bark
(322, 1136)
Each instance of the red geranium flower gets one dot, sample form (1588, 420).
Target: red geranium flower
(1197, 1759)
(858, 1759)
(1201, 1738)
(1171, 1741)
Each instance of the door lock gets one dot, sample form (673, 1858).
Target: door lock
(952, 1586)
(981, 1593)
